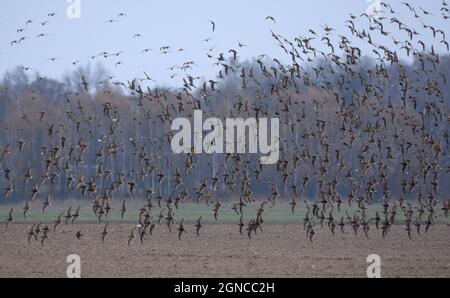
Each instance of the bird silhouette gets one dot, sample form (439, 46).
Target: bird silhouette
(181, 230)
(198, 226)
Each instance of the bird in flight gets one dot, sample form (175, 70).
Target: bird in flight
(213, 24)
(241, 45)
(79, 235)
(123, 210)
(181, 229)
(270, 18)
(10, 218)
(104, 232)
(42, 35)
(198, 226)
(132, 235)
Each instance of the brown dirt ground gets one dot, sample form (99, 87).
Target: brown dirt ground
(280, 251)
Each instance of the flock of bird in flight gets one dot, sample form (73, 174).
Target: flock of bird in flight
(365, 124)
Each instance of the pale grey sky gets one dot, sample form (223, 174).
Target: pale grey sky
(179, 24)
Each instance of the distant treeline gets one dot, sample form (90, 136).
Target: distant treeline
(365, 130)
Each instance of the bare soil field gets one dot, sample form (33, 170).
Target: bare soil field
(220, 251)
